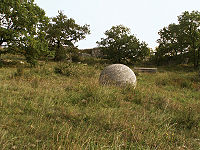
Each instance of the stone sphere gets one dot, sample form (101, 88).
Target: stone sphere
(117, 74)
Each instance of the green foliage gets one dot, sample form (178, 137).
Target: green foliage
(63, 69)
(182, 39)
(73, 70)
(63, 31)
(22, 27)
(121, 47)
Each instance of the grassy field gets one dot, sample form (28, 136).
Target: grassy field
(61, 106)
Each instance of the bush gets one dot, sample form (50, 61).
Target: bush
(60, 54)
(63, 69)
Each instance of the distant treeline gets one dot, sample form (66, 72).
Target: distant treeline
(27, 31)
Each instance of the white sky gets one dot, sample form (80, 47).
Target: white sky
(144, 17)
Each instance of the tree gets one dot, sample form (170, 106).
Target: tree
(121, 47)
(22, 27)
(190, 23)
(171, 43)
(182, 38)
(63, 31)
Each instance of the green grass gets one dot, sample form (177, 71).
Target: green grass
(44, 108)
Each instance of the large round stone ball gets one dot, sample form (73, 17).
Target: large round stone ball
(117, 74)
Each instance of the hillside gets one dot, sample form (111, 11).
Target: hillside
(62, 106)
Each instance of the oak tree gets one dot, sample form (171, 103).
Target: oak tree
(182, 38)
(64, 32)
(120, 46)
(22, 28)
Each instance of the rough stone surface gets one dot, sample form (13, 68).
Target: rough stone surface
(117, 74)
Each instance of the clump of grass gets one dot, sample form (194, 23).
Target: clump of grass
(35, 83)
(187, 117)
(20, 70)
(1, 63)
(74, 70)
(63, 69)
(68, 69)
(176, 80)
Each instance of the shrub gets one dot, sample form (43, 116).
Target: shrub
(67, 69)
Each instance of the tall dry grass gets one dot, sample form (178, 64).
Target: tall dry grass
(44, 108)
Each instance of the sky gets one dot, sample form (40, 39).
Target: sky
(144, 17)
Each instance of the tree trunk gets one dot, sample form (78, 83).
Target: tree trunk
(60, 53)
(57, 53)
(1, 42)
(195, 62)
(194, 54)
(198, 56)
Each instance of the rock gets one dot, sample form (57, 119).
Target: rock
(117, 74)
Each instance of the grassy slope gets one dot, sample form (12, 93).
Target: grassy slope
(44, 110)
